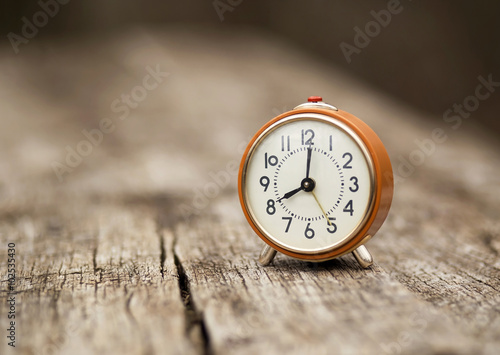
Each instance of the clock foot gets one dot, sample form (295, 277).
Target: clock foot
(267, 255)
(363, 256)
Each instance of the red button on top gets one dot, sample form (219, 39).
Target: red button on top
(315, 98)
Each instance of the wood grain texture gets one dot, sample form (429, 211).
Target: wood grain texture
(143, 248)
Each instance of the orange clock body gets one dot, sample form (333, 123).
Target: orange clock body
(382, 188)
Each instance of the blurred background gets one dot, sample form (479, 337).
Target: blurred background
(429, 54)
(223, 69)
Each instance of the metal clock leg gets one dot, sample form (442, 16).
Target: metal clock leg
(267, 255)
(363, 256)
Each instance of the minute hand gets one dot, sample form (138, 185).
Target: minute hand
(309, 152)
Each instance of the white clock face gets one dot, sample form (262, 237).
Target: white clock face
(308, 183)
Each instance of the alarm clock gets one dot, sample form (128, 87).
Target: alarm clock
(315, 183)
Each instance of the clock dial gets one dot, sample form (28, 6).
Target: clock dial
(308, 183)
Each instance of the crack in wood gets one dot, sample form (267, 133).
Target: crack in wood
(94, 262)
(194, 319)
(163, 253)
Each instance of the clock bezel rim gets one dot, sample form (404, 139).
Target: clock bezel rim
(356, 237)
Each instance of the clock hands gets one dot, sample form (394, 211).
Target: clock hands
(307, 184)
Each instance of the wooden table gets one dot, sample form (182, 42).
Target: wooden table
(137, 244)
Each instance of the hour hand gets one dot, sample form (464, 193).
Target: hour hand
(291, 193)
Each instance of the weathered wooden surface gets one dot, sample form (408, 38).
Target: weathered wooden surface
(124, 256)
